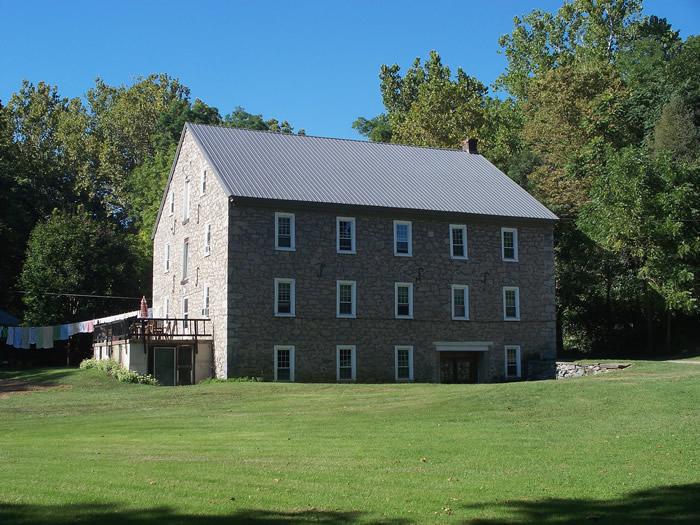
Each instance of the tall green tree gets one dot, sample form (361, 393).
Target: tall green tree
(74, 253)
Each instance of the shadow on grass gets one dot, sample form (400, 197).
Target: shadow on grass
(36, 375)
(678, 504)
(113, 514)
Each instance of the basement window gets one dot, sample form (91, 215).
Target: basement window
(284, 363)
(512, 361)
(404, 362)
(345, 362)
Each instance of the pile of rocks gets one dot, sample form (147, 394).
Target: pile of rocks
(566, 370)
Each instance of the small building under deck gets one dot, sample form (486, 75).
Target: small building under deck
(174, 351)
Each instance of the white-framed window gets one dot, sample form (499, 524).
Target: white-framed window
(403, 293)
(285, 297)
(403, 359)
(205, 301)
(460, 302)
(185, 258)
(186, 202)
(458, 241)
(285, 231)
(403, 238)
(346, 299)
(345, 362)
(511, 303)
(512, 359)
(509, 244)
(203, 183)
(171, 202)
(207, 239)
(284, 363)
(166, 258)
(185, 312)
(166, 307)
(345, 234)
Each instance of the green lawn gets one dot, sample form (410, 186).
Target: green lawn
(614, 448)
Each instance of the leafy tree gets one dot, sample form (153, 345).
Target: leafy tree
(377, 129)
(646, 210)
(74, 253)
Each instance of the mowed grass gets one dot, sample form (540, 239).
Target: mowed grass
(615, 448)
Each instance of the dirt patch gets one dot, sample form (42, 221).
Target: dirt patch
(14, 386)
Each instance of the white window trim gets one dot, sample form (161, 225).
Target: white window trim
(207, 245)
(292, 297)
(185, 259)
(515, 245)
(166, 258)
(171, 203)
(206, 294)
(465, 288)
(338, 348)
(410, 239)
(463, 228)
(518, 361)
(410, 362)
(292, 363)
(203, 183)
(292, 232)
(185, 313)
(517, 303)
(410, 301)
(352, 315)
(351, 220)
(186, 199)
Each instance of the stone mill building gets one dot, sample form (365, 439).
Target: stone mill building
(320, 259)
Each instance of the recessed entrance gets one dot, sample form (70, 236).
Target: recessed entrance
(173, 365)
(459, 367)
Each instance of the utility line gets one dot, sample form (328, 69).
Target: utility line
(81, 295)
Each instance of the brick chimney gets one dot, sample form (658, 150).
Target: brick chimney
(471, 146)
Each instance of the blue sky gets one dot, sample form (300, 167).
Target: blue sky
(314, 63)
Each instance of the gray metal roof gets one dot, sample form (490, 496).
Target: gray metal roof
(264, 165)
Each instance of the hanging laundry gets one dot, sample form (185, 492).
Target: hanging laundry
(24, 338)
(10, 336)
(64, 332)
(17, 337)
(56, 333)
(33, 335)
(47, 337)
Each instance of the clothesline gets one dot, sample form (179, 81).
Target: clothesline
(43, 337)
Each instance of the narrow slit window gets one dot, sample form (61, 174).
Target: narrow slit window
(186, 202)
(185, 258)
(166, 258)
(207, 239)
(205, 302)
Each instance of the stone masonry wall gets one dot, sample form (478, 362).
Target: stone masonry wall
(315, 331)
(204, 270)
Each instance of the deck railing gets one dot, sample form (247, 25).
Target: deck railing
(153, 328)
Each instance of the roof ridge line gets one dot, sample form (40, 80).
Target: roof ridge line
(269, 132)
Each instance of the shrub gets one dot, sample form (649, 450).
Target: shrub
(213, 380)
(121, 374)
